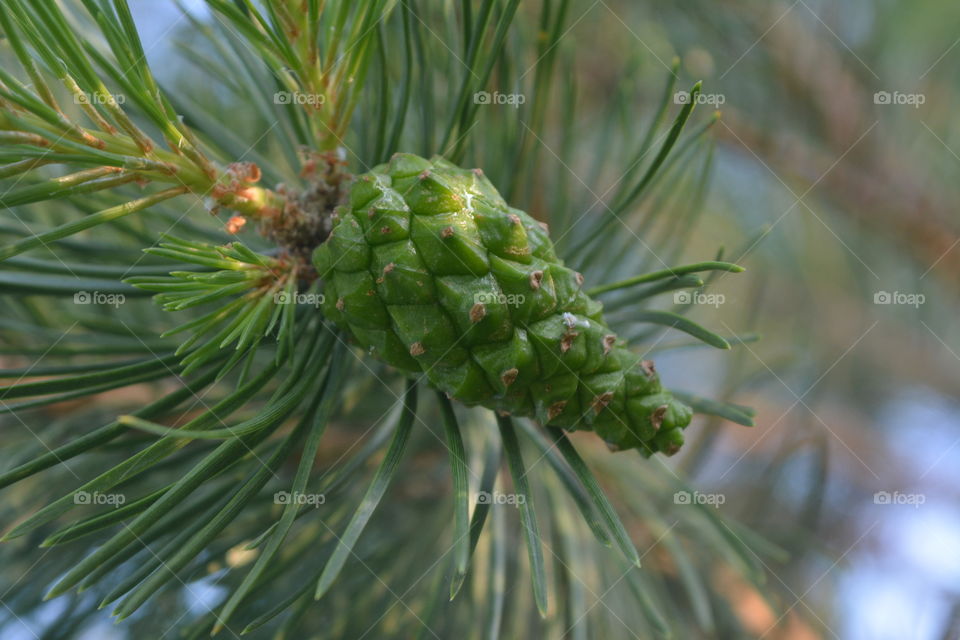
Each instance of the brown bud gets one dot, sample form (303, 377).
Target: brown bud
(656, 418)
(556, 409)
(235, 224)
(608, 341)
(566, 342)
(535, 279)
(648, 368)
(601, 401)
(478, 312)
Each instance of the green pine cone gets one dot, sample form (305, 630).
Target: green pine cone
(431, 271)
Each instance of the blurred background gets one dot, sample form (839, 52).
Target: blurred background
(838, 133)
(835, 184)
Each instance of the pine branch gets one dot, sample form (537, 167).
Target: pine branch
(253, 393)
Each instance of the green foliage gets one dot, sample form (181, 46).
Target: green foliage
(262, 294)
(221, 472)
